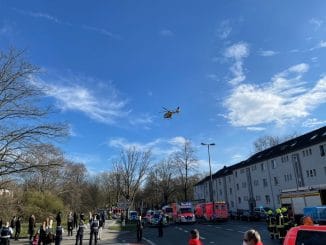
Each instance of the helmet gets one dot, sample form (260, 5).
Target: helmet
(284, 209)
(269, 212)
(278, 210)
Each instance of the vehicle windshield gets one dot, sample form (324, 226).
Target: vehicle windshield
(185, 210)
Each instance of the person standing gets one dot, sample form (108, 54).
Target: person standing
(139, 229)
(75, 220)
(70, 224)
(43, 233)
(252, 237)
(94, 230)
(194, 238)
(18, 228)
(6, 233)
(13, 224)
(58, 219)
(160, 226)
(80, 231)
(31, 226)
(58, 235)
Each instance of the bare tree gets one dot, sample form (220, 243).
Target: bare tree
(185, 161)
(22, 118)
(265, 142)
(132, 168)
(165, 173)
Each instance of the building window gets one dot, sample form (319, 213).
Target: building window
(254, 167)
(256, 183)
(229, 179)
(244, 184)
(239, 199)
(245, 198)
(322, 150)
(310, 151)
(274, 164)
(307, 173)
(237, 186)
(236, 174)
(262, 166)
(242, 171)
(303, 153)
(220, 192)
(230, 190)
(265, 182)
(314, 171)
(232, 204)
(267, 199)
(219, 181)
(275, 181)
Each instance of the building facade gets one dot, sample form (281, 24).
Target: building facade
(259, 180)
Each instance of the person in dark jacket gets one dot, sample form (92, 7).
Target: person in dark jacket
(80, 231)
(75, 220)
(160, 226)
(139, 229)
(95, 224)
(58, 219)
(18, 228)
(58, 235)
(70, 224)
(31, 226)
(6, 233)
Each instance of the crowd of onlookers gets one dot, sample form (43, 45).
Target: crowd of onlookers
(46, 233)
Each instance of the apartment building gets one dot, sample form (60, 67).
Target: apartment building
(259, 180)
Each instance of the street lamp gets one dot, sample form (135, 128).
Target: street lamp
(210, 173)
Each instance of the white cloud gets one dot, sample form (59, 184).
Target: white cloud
(313, 122)
(160, 147)
(286, 97)
(101, 31)
(224, 29)
(322, 44)
(237, 52)
(40, 15)
(267, 53)
(143, 119)
(166, 33)
(256, 128)
(317, 23)
(103, 106)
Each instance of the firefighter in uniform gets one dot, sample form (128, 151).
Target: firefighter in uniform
(279, 224)
(286, 219)
(271, 223)
(6, 233)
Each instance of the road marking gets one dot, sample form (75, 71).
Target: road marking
(229, 229)
(149, 241)
(218, 227)
(212, 242)
(241, 231)
(203, 238)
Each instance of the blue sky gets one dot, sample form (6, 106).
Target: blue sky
(238, 70)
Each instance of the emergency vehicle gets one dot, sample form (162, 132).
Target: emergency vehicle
(306, 234)
(205, 210)
(185, 213)
(168, 212)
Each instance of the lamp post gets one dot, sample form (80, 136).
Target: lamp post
(210, 173)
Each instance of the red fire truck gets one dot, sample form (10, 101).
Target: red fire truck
(205, 210)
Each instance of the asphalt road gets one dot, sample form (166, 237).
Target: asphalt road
(227, 233)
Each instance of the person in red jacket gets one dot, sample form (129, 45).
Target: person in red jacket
(252, 237)
(194, 238)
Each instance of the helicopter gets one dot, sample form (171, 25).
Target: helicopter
(169, 113)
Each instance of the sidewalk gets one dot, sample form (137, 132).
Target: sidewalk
(108, 237)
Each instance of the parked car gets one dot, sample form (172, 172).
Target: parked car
(250, 215)
(262, 211)
(133, 216)
(156, 217)
(306, 234)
